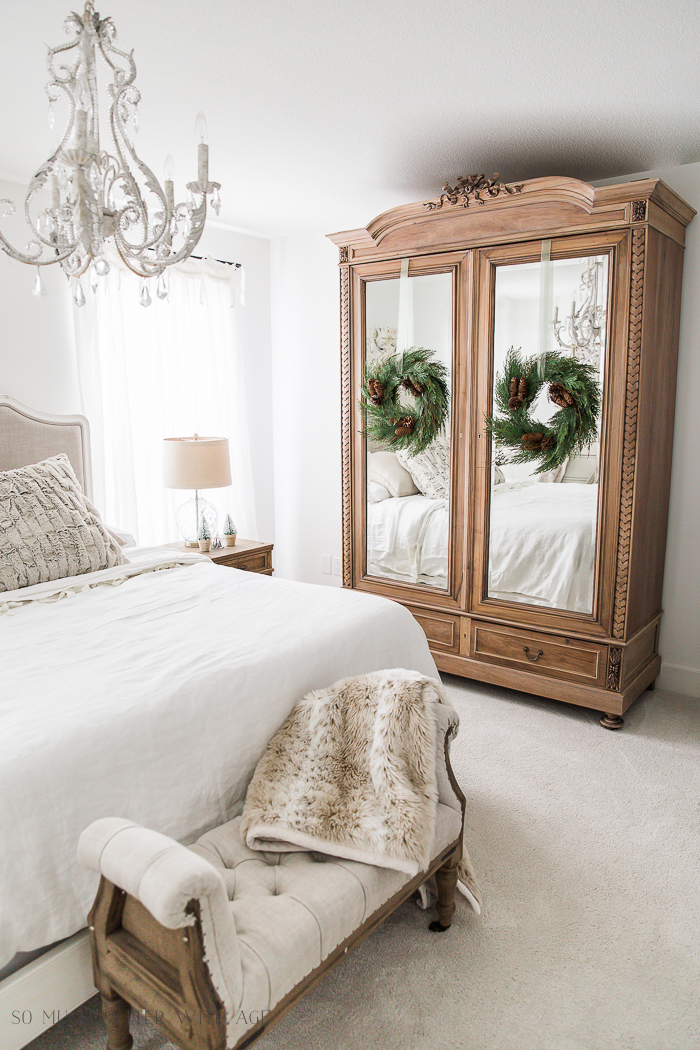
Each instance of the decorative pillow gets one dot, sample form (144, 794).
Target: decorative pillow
(377, 493)
(554, 476)
(497, 476)
(385, 469)
(430, 469)
(48, 528)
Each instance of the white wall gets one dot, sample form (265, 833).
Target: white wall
(37, 349)
(306, 364)
(37, 346)
(306, 385)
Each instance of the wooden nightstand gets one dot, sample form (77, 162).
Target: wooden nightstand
(250, 555)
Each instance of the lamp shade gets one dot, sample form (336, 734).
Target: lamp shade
(196, 463)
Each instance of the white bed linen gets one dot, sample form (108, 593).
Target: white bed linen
(543, 544)
(153, 700)
(407, 538)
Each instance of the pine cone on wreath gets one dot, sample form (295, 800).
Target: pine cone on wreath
(513, 387)
(548, 444)
(559, 395)
(376, 391)
(532, 441)
(405, 426)
(522, 389)
(514, 403)
(415, 388)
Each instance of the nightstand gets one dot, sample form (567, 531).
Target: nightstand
(250, 555)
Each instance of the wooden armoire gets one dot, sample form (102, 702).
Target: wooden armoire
(478, 255)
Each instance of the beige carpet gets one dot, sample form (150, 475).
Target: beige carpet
(587, 847)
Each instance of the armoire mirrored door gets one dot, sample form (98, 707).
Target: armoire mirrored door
(408, 490)
(548, 336)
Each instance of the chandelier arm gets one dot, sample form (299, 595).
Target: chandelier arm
(33, 259)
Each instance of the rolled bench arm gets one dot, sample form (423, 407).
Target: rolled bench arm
(449, 792)
(165, 876)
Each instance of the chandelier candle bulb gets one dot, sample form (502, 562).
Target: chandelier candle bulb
(203, 165)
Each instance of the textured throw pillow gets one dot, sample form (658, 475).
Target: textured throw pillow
(385, 469)
(48, 528)
(430, 469)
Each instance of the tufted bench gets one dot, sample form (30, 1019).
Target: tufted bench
(213, 942)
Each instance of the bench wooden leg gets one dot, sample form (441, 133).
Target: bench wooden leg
(446, 878)
(116, 1015)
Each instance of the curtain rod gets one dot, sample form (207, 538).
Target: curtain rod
(225, 262)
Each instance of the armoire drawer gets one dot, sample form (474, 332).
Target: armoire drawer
(441, 630)
(553, 655)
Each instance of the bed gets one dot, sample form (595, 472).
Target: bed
(146, 691)
(542, 542)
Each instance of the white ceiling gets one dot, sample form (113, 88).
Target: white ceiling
(323, 113)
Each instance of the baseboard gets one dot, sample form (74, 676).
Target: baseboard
(674, 679)
(44, 991)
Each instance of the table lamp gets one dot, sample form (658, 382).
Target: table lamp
(196, 463)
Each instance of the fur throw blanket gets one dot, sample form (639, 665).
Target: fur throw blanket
(351, 773)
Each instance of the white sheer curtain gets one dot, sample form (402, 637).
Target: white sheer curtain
(167, 370)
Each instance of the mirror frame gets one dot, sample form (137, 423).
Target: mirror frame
(458, 264)
(617, 245)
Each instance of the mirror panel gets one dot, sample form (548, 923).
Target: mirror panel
(543, 527)
(407, 496)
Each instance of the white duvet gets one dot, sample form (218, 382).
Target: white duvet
(543, 544)
(153, 700)
(407, 539)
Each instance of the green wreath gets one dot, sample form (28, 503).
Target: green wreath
(571, 386)
(400, 426)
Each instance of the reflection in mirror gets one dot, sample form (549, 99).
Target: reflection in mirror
(407, 493)
(543, 525)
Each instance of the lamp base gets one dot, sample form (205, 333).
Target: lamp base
(188, 524)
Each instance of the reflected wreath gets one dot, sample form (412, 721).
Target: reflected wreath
(572, 387)
(399, 426)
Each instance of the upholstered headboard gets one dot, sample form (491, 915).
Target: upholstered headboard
(28, 436)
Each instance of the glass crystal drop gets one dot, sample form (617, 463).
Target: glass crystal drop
(216, 202)
(38, 290)
(93, 279)
(145, 297)
(101, 267)
(162, 288)
(79, 297)
(51, 116)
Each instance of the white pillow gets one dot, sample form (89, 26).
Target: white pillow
(385, 469)
(48, 528)
(554, 476)
(497, 476)
(377, 493)
(430, 469)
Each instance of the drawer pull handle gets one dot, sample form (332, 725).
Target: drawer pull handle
(243, 565)
(532, 659)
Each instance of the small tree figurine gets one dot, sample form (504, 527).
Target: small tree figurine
(204, 538)
(229, 532)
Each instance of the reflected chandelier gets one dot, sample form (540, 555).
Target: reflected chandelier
(91, 196)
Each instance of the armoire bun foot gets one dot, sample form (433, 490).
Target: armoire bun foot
(612, 721)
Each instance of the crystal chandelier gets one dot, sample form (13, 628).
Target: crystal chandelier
(581, 331)
(84, 197)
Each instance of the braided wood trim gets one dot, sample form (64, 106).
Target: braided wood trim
(614, 663)
(629, 446)
(345, 422)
